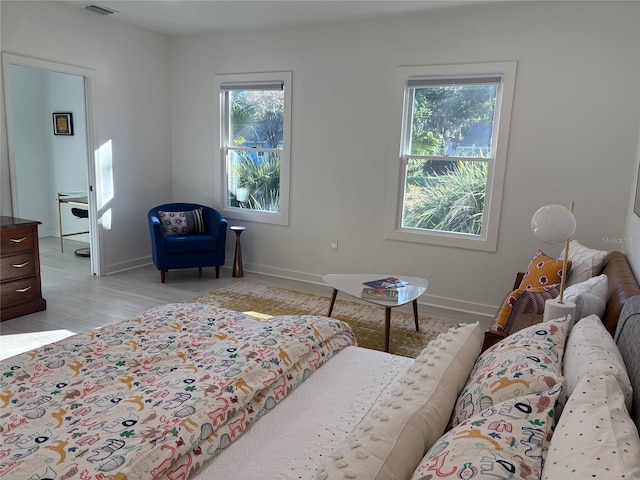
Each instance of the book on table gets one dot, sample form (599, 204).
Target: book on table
(389, 294)
(389, 283)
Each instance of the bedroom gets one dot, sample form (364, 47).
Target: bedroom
(149, 84)
(154, 100)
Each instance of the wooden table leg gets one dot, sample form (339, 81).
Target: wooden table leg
(333, 301)
(415, 314)
(387, 327)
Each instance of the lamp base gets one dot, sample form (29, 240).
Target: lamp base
(554, 309)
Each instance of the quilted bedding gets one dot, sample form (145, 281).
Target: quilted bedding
(155, 396)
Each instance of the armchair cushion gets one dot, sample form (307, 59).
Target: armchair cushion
(182, 223)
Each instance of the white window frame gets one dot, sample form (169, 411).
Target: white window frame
(252, 79)
(488, 238)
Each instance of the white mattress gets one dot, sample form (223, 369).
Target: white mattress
(292, 440)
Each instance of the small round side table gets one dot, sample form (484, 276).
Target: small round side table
(237, 258)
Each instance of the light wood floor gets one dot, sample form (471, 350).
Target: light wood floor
(78, 301)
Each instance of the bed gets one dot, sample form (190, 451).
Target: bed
(294, 397)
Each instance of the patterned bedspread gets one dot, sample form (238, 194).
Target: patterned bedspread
(155, 396)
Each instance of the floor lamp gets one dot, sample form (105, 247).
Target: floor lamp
(555, 224)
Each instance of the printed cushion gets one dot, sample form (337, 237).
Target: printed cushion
(542, 272)
(411, 415)
(508, 440)
(182, 223)
(585, 262)
(589, 296)
(592, 351)
(595, 436)
(529, 361)
(523, 301)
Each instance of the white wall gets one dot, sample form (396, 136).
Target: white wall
(574, 133)
(44, 163)
(630, 241)
(131, 111)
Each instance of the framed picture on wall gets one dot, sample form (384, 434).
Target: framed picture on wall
(63, 123)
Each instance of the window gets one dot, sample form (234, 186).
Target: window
(453, 141)
(255, 119)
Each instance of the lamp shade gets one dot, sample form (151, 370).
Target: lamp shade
(553, 224)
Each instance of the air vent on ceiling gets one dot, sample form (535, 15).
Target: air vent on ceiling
(100, 9)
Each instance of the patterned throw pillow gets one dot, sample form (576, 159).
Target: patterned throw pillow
(542, 271)
(182, 223)
(591, 351)
(529, 361)
(523, 301)
(508, 440)
(595, 436)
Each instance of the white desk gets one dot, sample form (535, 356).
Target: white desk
(71, 198)
(352, 284)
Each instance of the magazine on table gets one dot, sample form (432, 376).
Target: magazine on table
(389, 294)
(386, 283)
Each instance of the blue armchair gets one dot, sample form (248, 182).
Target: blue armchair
(202, 246)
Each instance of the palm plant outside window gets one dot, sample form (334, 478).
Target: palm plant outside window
(453, 139)
(254, 145)
(447, 153)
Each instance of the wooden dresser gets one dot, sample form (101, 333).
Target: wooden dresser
(20, 287)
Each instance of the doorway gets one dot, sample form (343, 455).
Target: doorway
(48, 125)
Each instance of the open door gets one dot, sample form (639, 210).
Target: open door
(50, 143)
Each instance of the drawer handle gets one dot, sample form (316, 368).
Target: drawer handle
(20, 265)
(22, 290)
(19, 240)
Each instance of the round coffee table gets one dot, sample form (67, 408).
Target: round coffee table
(352, 284)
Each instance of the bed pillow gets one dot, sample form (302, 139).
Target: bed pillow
(585, 262)
(182, 223)
(541, 272)
(523, 301)
(411, 415)
(508, 440)
(591, 351)
(589, 296)
(595, 436)
(529, 361)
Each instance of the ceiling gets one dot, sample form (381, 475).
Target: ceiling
(183, 17)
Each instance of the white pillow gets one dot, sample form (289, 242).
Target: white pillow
(592, 351)
(585, 262)
(411, 415)
(589, 296)
(595, 437)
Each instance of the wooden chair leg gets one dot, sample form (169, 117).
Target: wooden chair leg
(163, 274)
(217, 272)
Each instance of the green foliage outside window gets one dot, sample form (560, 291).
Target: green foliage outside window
(261, 178)
(449, 202)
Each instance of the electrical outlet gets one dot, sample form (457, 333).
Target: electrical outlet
(334, 244)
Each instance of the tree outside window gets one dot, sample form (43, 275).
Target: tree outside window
(255, 115)
(453, 140)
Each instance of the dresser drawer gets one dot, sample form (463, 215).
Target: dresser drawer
(16, 240)
(17, 266)
(19, 291)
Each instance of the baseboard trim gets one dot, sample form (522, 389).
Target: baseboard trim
(124, 266)
(425, 300)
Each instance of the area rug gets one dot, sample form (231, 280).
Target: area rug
(366, 320)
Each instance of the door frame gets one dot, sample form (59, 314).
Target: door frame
(87, 74)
